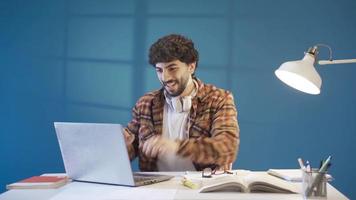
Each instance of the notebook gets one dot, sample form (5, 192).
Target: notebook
(96, 152)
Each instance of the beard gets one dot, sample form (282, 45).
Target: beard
(180, 84)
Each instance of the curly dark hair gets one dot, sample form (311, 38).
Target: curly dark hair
(173, 47)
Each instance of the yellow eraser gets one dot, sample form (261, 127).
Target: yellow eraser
(188, 183)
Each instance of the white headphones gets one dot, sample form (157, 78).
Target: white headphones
(181, 104)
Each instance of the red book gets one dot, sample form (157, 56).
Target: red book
(39, 182)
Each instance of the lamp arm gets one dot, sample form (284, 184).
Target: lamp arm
(317, 46)
(330, 61)
(344, 61)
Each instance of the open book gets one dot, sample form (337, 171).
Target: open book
(249, 182)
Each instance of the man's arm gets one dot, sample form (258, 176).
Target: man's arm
(131, 134)
(222, 147)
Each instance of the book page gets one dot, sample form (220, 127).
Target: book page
(224, 183)
(263, 182)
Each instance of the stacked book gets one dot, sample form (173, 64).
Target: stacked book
(39, 182)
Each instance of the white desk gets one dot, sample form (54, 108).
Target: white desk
(171, 189)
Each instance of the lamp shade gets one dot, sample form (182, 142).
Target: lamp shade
(300, 74)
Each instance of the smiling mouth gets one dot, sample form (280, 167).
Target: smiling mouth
(170, 84)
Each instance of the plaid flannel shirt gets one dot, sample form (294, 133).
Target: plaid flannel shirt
(212, 123)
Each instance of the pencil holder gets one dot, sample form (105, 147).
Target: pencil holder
(314, 184)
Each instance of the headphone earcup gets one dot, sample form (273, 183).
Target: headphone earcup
(187, 103)
(176, 104)
(181, 104)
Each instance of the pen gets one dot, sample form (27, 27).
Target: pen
(301, 163)
(308, 166)
(325, 165)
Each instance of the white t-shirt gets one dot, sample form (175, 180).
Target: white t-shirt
(174, 124)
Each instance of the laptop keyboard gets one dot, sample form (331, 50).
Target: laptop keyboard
(144, 179)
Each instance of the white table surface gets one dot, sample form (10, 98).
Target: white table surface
(172, 189)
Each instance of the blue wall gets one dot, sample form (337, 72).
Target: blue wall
(80, 60)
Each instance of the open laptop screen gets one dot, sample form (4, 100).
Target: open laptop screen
(94, 152)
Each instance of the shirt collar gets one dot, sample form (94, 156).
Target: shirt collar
(200, 93)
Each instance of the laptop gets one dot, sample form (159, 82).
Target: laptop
(95, 152)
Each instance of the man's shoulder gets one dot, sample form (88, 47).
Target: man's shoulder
(211, 91)
(213, 97)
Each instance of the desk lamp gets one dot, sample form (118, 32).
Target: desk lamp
(302, 75)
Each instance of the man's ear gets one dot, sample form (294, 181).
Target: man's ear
(192, 67)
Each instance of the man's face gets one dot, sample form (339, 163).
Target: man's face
(174, 76)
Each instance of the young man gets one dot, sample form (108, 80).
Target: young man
(186, 125)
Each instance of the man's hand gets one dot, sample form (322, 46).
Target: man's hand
(129, 138)
(157, 145)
